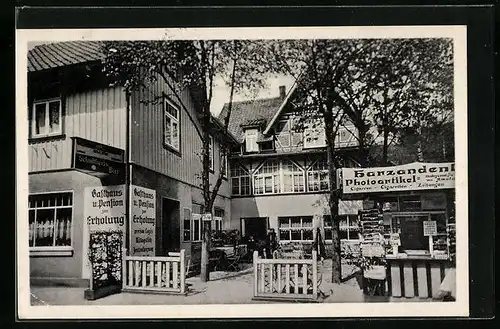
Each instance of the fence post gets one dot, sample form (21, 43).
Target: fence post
(255, 272)
(183, 271)
(124, 268)
(315, 273)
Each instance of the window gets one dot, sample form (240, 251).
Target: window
(296, 228)
(318, 176)
(171, 133)
(186, 233)
(211, 151)
(196, 222)
(293, 177)
(196, 230)
(225, 163)
(267, 178)
(348, 227)
(314, 134)
(217, 220)
(251, 140)
(50, 220)
(240, 180)
(46, 118)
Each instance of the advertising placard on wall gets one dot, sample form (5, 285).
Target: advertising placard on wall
(143, 221)
(413, 176)
(104, 211)
(104, 208)
(430, 228)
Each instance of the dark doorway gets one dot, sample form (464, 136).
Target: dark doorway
(170, 226)
(256, 227)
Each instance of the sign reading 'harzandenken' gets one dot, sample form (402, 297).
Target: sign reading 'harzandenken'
(143, 223)
(413, 176)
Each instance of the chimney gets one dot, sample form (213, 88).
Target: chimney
(282, 91)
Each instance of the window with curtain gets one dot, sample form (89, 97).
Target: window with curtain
(293, 177)
(46, 118)
(240, 180)
(348, 227)
(171, 126)
(251, 136)
(267, 178)
(50, 219)
(297, 228)
(318, 176)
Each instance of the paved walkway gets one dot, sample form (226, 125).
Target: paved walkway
(223, 288)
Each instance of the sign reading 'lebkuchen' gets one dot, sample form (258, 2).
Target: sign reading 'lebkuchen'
(413, 176)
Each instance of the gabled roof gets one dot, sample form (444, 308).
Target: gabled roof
(251, 112)
(280, 110)
(53, 55)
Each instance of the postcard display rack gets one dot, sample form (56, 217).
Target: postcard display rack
(373, 251)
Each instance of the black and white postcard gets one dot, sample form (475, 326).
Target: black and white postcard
(242, 172)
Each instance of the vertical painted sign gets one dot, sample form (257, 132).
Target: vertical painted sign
(143, 222)
(105, 208)
(104, 211)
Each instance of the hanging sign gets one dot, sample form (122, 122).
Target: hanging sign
(430, 227)
(413, 176)
(143, 221)
(97, 159)
(206, 217)
(104, 208)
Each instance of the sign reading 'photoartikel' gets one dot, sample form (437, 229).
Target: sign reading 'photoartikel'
(413, 176)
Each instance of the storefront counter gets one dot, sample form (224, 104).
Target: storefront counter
(415, 275)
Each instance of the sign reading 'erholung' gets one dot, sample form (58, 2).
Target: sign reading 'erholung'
(413, 176)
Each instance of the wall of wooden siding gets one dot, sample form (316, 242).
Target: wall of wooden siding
(97, 115)
(147, 147)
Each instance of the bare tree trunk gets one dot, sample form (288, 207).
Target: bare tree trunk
(385, 147)
(334, 198)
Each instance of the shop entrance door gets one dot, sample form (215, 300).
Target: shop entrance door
(412, 233)
(170, 226)
(257, 227)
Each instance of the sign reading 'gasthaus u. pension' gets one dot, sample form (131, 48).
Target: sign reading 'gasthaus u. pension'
(413, 176)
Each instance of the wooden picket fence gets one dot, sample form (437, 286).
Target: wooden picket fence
(155, 274)
(285, 279)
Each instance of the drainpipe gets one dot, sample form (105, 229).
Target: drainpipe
(128, 169)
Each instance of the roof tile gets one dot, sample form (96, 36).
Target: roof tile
(250, 112)
(52, 55)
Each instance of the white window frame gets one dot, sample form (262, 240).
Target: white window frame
(239, 177)
(251, 137)
(293, 176)
(351, 229)
(47, 118)
(314, 175)
(53, 250)
(275, 188)
(290, 229)
(193, 220)
(172, 120)
(218, 220)
(280, 175)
